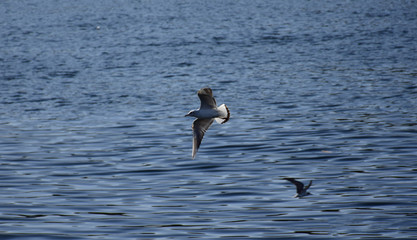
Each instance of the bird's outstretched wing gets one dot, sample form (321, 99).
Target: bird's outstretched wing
(200, 127)
(309, 185)
(299, 185)
(206, 98)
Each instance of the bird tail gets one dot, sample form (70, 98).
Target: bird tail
(224, 114)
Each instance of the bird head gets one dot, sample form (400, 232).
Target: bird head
(190, 114)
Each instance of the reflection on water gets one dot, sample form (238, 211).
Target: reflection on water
(95, 146)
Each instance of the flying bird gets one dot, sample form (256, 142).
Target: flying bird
(301, 190)
(207, 113)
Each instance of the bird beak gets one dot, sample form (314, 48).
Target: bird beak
(186, 115)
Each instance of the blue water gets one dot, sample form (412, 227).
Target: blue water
(94, 143)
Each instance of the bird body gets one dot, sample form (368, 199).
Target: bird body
(206, 114)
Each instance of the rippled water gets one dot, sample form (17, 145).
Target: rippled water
(94, 144)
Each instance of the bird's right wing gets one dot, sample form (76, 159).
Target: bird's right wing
(309, 185)
(200, 127)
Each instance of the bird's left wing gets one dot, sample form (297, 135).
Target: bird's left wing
(206, 98)
(299, 185)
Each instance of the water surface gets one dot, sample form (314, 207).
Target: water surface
(95, 146)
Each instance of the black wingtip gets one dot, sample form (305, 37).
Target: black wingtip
(228, 114)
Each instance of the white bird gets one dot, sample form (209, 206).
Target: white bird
(207, 113)
(301, 190)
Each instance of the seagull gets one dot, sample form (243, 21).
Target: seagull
(207, 113)
(301, 190)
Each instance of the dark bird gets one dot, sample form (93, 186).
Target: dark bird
(301, 190)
